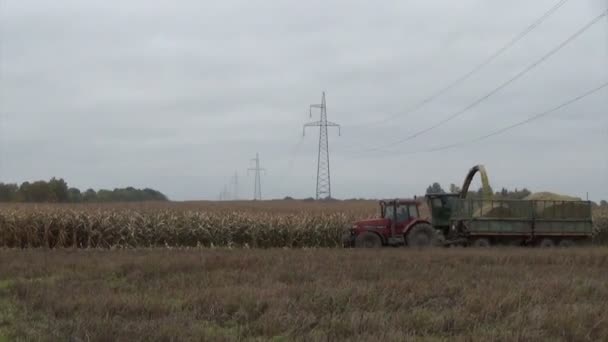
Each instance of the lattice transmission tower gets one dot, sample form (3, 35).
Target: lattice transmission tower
(257, 189)
(323, 172)
(235, 186)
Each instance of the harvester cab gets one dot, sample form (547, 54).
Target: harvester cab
(441, 207)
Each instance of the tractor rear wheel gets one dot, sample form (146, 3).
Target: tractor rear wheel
(368, 240)
(546, 243)
(481, 243)
(422, 235)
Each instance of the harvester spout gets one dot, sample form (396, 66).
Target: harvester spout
(487, 190)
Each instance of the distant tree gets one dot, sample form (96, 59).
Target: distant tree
(435, 188)
(104, 195)
(504, 193)
(523, 193)
(8, 192)
(328, 199)
(23, 192)
(454, 189)
(37, 192)
(89, 196)
(603, 203)
(74, 195)
(154, 195)
(58, 190)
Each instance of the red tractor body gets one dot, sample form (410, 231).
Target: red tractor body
(398, 218)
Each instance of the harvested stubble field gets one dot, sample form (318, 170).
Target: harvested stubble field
(304, 294)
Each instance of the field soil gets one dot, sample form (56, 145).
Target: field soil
(392, 294)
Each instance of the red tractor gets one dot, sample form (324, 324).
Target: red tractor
(400, 223)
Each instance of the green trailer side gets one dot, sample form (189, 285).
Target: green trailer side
(522, 221)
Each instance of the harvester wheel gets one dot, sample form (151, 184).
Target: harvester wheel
(566, 243)
(368, 240)
(546, 243)
(481, 243)
(422, 235)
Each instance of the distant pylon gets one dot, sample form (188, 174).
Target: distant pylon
(235, 186)
(257, 189)
(323, 174)
(225, 195)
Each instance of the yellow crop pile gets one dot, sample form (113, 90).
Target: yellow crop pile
(550, 196)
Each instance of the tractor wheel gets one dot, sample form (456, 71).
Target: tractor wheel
(368, 240)
(546, 243)
(422, 235)
(481, 243)
(566, 243)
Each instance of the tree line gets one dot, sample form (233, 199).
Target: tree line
(58, 191)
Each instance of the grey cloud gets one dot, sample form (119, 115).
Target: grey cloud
(178, 95)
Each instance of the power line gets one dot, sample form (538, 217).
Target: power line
(512, 126)
(476, 69)
(257, 189)
(323, 174)
(495, 90)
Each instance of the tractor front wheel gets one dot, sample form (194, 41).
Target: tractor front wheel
(368, 240)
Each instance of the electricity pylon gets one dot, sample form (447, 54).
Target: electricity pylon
(257, 189)
(235, 186)
(323, 173)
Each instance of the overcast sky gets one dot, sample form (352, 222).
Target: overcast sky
(180, 95)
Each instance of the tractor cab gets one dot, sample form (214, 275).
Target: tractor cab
(399, 211)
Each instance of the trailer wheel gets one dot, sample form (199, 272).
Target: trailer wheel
(546, 243)
(368, 240)
(481, 243)
(566, 243)
(422, 235)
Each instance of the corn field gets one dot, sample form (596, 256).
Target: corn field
(119, 228)
(222, 226)
(600, 223)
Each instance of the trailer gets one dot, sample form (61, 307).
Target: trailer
(543, 223)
